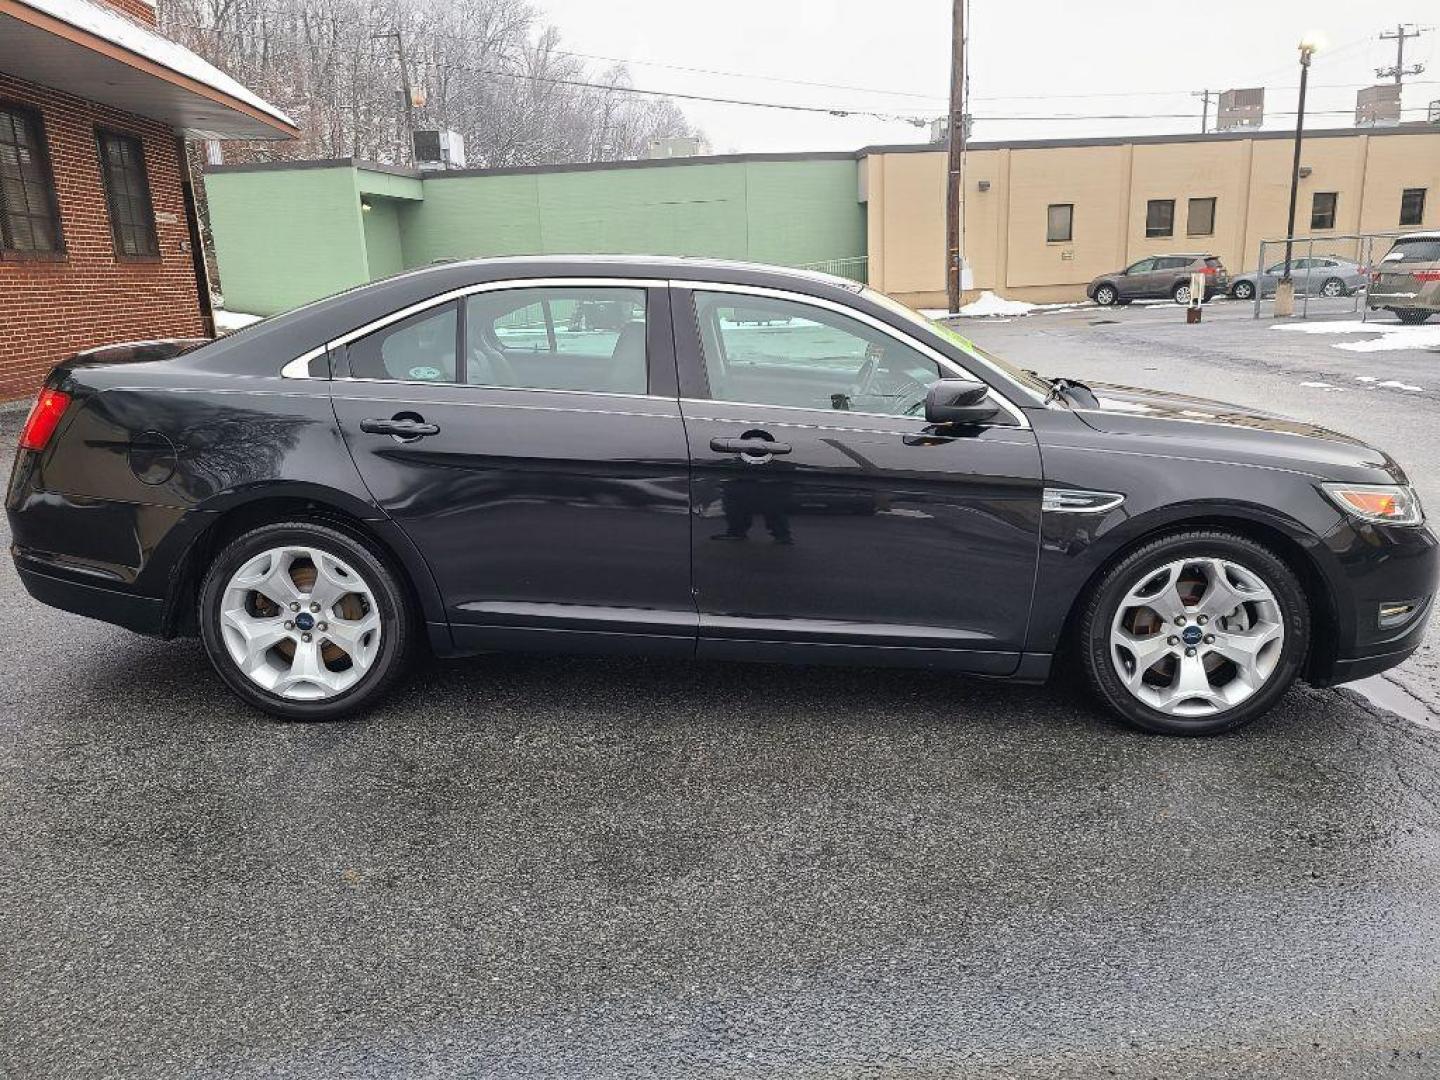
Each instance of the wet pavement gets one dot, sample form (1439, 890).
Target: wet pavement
(526, 867)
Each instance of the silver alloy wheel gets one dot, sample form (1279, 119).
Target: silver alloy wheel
(1244, 290)
(1105, 295)
(300, 623)
(1182, 294)
(1197, 636)
(1333, 287)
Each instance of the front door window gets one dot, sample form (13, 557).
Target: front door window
(768, 351)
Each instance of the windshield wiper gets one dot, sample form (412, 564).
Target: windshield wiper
(1072, 392)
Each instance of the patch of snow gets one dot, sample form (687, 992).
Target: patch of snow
(1402, 386)
(1402, 337)
(1390, 337)
(1367, 378)
(110, 25)
(988, 305)
(1342, 326)
(1321, 385)
(227, 322)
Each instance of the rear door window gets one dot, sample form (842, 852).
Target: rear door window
(558, 338)
(421, 348)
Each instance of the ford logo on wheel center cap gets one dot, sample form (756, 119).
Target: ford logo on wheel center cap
(1192, 635)
(305, 621)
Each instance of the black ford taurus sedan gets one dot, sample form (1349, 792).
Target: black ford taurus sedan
(696, 458)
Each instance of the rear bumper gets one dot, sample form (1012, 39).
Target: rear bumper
(143, 614)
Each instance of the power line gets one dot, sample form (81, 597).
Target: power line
(829, 110)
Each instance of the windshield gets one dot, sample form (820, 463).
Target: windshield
(1028, 380)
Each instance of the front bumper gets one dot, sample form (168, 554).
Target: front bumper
(1378, 567)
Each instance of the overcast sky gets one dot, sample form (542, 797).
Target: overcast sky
(1029, 58)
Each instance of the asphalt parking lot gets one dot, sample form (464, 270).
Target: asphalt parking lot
(529, 867)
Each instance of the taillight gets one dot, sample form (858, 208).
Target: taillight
(1210, 271)
(1426, 275)
(44, 417)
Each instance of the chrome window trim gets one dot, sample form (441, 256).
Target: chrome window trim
(298, 368)
(946, 364)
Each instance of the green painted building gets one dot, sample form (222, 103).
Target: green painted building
(292, 232)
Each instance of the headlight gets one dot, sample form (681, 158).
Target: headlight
(1393, 504)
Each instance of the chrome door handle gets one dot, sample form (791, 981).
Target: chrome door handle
(402, 427)
(752, 447)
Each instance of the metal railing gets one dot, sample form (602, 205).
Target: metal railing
(1363, 249)
(855, 268)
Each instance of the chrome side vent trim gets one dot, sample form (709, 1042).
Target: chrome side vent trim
(1074, 501)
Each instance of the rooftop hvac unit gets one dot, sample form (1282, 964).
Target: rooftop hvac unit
(1243, 108)
(1378, 106)
(439, 150)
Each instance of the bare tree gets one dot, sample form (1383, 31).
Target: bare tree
(486, 68)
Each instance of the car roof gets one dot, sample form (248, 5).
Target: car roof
(1430, 235)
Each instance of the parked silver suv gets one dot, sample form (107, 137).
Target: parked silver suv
(1407, 280)
(1159, 276)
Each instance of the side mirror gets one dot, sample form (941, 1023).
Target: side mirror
(959, 401)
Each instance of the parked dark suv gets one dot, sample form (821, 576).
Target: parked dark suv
(1158, 276)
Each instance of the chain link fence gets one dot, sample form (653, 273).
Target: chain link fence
(1329, 267)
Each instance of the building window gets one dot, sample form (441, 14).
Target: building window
(1201, 221)
(1160, 217)
(29, 210)
(127, 191)
(1322, 210)
(1412, 206)
(1059, 222)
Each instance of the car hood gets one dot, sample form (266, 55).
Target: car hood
(1195, 426)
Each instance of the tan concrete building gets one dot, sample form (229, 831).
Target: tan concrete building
(1043, 217)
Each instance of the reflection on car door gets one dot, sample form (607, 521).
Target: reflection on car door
(863, 533)
(538, 462)
(1136, 281)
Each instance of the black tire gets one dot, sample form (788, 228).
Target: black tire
(1101, 603)
(1175, 292)
(398, 624)
(1106, 294)
(1333, 287)
(1243, 290)
(1412, 316)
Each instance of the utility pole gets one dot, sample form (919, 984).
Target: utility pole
(956, 139)
(1400, 36)
(407, 138)
(1204, 96)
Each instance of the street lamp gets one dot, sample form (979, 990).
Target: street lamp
(1310, 44)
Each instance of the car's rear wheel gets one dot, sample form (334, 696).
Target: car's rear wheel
(305, 621)
(1332, 287)
(1106, 295)
(1412, 316)
(1195, 634)
(1181, 293)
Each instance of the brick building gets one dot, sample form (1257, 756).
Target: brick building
(98, 235)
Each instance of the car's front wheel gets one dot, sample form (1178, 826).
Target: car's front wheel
(305, 621)
(1194, 634)
(1243, 290)
(1106, 295)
